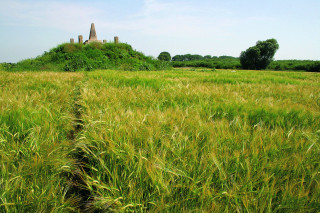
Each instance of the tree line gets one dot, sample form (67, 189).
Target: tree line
(165, 56)
(258, 57)
(196, 57)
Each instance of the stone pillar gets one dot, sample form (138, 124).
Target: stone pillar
(93, 34)
(104, 41)
(71, 40)
(80, 39)
(116, 39)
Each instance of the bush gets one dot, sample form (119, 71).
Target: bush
(77, 63)
(295, 65)
(315, 67)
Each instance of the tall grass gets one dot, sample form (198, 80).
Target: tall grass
(194, 144)
(35, 119)
(169, 141)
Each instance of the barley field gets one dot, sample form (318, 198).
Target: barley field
(160, 141)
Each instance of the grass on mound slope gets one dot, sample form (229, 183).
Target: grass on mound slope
(78, 57)
(35, 119)
(202, 141)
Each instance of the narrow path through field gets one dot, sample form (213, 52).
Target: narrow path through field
(77, 185)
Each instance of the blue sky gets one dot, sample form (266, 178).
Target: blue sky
(206, 27)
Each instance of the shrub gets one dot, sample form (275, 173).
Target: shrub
(295, 65)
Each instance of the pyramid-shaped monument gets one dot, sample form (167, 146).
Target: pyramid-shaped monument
(93, 35)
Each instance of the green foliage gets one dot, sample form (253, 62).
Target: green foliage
(177, 58)
(77, 63)
(188, 57)
(229, 62)
(218, 63)
(164, 56)
(196, 57)
(222, 62)
(298, 65)
(207, 57)
(78, 57)
(260, 56)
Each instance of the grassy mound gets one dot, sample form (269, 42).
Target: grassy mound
(78, 57)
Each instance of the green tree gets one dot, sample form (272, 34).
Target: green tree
(259, 56)
(197, 57)
(177, 58)
(187, 57)
(164, 56)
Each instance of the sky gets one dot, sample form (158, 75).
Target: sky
(205, 27)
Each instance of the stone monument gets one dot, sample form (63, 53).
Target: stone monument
(93, 35)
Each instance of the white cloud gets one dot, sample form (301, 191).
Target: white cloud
(170, 19)
(65, 16)
(152, 6)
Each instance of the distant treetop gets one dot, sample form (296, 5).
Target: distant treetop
(164, 56)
